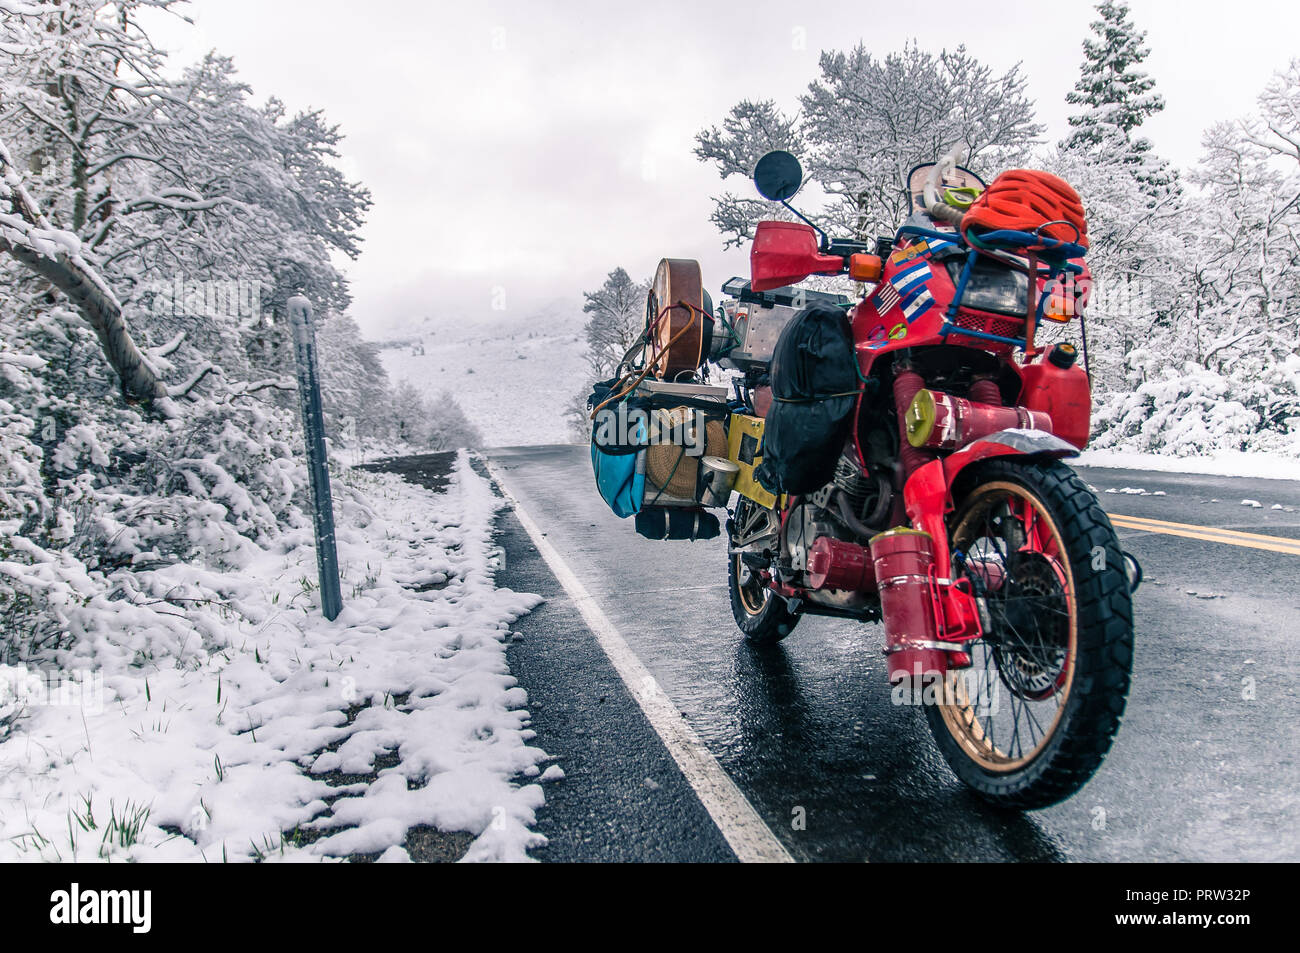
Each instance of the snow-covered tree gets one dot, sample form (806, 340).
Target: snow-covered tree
(151, 227)
(1113, 89)
(617, 321)
(431, 423)
(863, 124)
(354, 385)
(174, 179)
(1136, 220)
(1216, 365)
(1137, 251)
(1116, 96)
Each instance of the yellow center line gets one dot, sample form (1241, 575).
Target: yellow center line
(1207, 529)
(1230, 537)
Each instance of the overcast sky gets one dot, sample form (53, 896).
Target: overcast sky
(533, 146)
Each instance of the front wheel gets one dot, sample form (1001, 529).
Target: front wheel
(1030, 722)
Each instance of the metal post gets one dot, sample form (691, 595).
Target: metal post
(313, 425)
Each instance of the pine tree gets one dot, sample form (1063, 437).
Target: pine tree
(1113, 89)
(617, 310)
(1117, 97)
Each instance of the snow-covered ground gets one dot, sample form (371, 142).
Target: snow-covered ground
(1263, 465)
(514, 375)
(218, 716)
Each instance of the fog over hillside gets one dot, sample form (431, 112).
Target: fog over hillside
(513, 375)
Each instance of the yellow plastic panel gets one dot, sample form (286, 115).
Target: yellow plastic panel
(744, 438)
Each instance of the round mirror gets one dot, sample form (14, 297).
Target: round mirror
(778, 176)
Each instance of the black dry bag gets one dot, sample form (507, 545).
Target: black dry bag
(814, 385)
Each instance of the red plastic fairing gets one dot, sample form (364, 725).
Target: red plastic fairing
(926, 497)
(786, 252)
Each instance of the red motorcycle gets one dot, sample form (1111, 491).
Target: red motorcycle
(899, 458)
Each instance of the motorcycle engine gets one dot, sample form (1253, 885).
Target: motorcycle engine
(806, 524)
(857, 486)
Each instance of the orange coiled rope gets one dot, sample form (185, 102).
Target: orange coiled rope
(623, 388)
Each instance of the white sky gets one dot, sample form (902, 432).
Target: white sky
(533, 146)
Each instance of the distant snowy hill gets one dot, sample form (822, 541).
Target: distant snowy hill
(513, 374)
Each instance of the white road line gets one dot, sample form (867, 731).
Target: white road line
(750, 838)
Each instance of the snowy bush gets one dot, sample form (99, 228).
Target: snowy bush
(1186, 411)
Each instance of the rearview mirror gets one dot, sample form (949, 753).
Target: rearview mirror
(778, 176)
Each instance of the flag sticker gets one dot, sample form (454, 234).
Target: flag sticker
(906, 277)
(886, 298)
(918, 305)
(906, 287)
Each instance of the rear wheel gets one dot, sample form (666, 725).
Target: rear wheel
(1030, 722)
(759, 612)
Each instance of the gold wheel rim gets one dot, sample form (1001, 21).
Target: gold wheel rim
(959, 712)
(752, 601)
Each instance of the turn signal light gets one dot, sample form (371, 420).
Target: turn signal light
(866, 267)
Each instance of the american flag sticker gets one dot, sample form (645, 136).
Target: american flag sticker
(886, 298)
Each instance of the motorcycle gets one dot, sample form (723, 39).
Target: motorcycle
(900, 459)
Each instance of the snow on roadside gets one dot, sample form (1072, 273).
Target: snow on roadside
(208, 713)
(1268, 466)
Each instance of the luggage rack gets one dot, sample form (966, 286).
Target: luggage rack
(753, 336)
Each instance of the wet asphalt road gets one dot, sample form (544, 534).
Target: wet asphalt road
(1204, 768)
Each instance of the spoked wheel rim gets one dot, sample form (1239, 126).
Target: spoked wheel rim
(1005, 709)
(749, 587)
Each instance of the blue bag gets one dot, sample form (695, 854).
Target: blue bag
(619, 466)
(620, 479)
(619, 442)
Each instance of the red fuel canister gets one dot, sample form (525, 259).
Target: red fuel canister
(1057, 386)
(903, 558)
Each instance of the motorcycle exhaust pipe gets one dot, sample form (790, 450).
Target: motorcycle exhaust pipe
(903, 560)
(940, 421)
